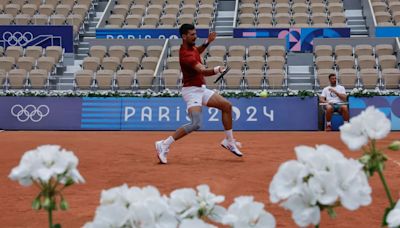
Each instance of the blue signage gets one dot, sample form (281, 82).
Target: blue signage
(96, 113)
(387, 31)
(172, 33)
(297, 39)
(275, 113)
(40, 113)
(37, 35)
(390, 105)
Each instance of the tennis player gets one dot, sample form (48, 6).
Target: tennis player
(335, 97)
(195, 93)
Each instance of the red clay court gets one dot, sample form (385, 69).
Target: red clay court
(108, 159)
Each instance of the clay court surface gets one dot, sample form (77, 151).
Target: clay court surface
(109, 159)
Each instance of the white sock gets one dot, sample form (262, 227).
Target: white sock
(229, 134)
(169, 141)
(328, 123)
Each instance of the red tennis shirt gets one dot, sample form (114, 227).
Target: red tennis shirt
(188, 59)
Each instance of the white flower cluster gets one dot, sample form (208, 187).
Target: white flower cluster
(393, 218)
(376, 92)
(47, 162)
(370, 124)
(101, 93)
(184, 208)
(321, 177)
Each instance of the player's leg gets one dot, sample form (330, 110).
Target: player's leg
(193, 99)
(217, 101)
(344, 110)
(195, 123)
(328, 116)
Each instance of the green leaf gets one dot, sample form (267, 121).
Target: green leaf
(36, 203)
(331, 212)
(365, 159)
(57, 225)
(47, 203)
(64, 204)
(395, 145)
(381, 166)
(69, 182)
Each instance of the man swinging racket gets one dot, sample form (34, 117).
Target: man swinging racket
(196, 94)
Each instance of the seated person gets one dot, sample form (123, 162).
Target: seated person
(335, 98)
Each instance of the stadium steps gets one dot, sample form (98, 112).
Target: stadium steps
(225, 17)
(356, 23)
(300, 71)
(83, 49)
(299, 81)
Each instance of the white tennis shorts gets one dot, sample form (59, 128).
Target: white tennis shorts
(196, 96)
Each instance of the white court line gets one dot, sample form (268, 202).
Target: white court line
(394, 161)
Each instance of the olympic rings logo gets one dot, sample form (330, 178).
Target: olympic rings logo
(17, 38)
(30, 112)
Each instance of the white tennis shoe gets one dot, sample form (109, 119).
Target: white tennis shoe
(162, 151)
(232, 146)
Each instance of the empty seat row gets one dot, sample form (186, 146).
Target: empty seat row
(120, 51)
(108, 79)
(358, 50)
(235, 79)
(22, 79)
(387, 13)
(113, 63)
(153, 21)
(33, 51)
(237, 50)
(291, 8)
(45, 9)
(145, 14)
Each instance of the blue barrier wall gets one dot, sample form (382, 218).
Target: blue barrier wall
(390, 105)
(30, 35)
(172, 33)
(389, 31)
(52, 113)
(297, 39)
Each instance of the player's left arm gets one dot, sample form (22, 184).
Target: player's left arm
(211, 38)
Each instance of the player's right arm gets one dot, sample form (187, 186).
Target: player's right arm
(208, 72)
(192, 62)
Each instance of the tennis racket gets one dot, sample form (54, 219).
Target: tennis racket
(222, 74)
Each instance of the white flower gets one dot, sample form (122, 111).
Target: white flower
(245, 213)
(208, 203)
(152, 213)
(393, 218)
(183, 202)
(354, 189)
(44, 163)
(144, 207)
(113, 195)
(112, 215)
(322, 158)
(195, 223)
(376, 124)
(324, 187)
(304, 210)
(371, 123)
(352, 133)
(287, 180)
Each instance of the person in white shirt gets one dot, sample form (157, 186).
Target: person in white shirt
(335, 97)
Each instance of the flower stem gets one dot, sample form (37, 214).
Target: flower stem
(387, 190)
(50, 211)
